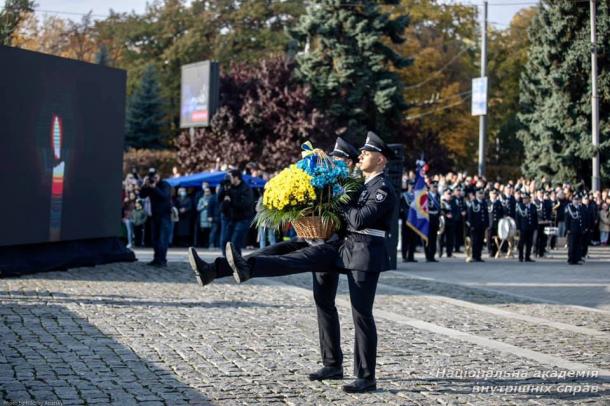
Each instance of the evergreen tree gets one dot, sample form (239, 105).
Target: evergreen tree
(348, 62)
(102, 57)
(145, 113)
(555, 92)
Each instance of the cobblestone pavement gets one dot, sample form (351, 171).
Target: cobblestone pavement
(131, 334)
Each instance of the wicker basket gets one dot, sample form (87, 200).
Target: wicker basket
(313, 228)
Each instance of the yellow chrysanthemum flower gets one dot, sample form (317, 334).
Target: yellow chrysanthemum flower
(290, 187)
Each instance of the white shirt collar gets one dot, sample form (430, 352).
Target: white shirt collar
(373, 176)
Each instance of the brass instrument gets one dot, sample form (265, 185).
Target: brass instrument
(441, 224)
(467, 242)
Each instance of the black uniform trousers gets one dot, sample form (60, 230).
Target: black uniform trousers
(362, 288)
(458, 233)
(408, 241)
(585, 241)
(448, 239)
(575, 244)
(492, 232)
(477, 236)
(281, 248)
(432, 236)
(289, 258)
(525, 240)
(541, 240)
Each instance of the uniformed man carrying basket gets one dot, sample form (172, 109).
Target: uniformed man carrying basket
(362, 255)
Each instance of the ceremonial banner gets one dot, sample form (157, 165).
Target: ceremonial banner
(418, 218)
(479, 96)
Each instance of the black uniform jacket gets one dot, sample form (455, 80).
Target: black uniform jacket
(510, 206)
(370, 212)
(575, 219)
(160, 198)
(496, 211)
(478, 215)
(527, 217)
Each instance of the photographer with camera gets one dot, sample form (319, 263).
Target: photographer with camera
(236, 204)
(160, 194)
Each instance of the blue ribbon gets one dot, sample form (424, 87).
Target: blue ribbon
(310, 159)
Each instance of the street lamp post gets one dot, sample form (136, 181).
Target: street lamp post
(483, 117)
(595, 180)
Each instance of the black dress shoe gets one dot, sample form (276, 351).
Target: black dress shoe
(157, 264)
(431, 260)
(411, 260)
(361, 385)
(204, 272)
(240, 267)
(326, 373)
(529, 260)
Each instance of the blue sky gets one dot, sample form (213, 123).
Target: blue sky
(500, 11)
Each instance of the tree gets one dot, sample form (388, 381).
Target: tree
(507, 58)
(555, 92)
(253, 29)
(145, 113)
(102, 57)
(11, 15)
(79, 35)
(265, 116)
(171, 34)
(348, 62)
(437, 85)
(46, 35)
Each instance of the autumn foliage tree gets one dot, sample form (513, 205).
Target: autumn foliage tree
(11, 15)
(265, 116)
(438, 123)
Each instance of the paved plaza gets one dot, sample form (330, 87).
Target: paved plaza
(496, 333)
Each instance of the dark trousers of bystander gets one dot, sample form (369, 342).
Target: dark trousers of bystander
(235, 231)
(161, 227)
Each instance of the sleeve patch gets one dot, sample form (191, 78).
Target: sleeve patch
(380, 195)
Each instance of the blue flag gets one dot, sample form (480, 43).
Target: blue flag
(418, 218)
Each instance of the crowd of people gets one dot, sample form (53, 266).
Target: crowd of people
(205, 217)
(209, 216)
(468, 209)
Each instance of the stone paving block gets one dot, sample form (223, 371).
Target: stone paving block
(137, 335)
